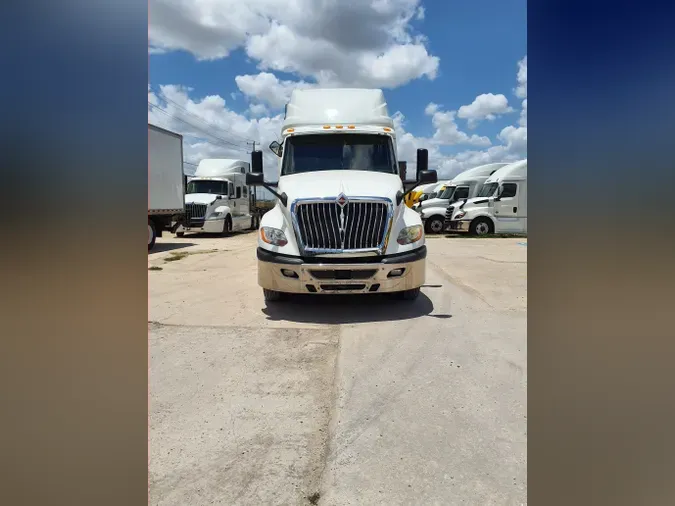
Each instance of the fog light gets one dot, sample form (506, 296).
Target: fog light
(288, 273)
(396, 273)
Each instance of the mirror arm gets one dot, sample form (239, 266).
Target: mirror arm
(402, 194)
(283, 198)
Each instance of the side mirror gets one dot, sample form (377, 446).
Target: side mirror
(422, 162)
(427, 176)
(255, 178)
(500, 190)
(275, 147)
(256, 163)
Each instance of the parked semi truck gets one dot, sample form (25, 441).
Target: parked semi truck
(464, 186)
(340, 224)
(166, 182)
(217, 199)
(500, 206)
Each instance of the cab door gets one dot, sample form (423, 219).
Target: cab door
(506, 207)
(241, 217)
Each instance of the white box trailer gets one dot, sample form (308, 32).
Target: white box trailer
(166, 182)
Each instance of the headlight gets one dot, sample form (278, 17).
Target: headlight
(410, 235)
(459, 215)
(215, 216)
(273, 236)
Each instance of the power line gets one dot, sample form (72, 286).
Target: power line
(221, 141)
(178, 106)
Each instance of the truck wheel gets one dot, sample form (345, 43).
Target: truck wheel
(180, 234)
(227, 226)
(272, 295)
(152, 234)
(434, 225)
(481, 226)
(409, 294)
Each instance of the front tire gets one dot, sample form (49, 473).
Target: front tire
(180, 234)
(481, 226)
(409, 294)
(435, 225)
(272, 295)
(152, 234)
(227, 226)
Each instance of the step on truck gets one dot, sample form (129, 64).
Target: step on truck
(340, 223)
(166, 182)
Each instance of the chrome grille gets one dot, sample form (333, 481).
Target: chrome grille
(448, 214)
(195, 211)
(357, 225)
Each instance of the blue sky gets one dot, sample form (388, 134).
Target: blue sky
(420, 52)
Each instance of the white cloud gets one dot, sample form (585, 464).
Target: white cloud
(420, 13)
(211, 129)
(486, 106)
(521, 90)
(514, 138)
(267, 88)
(258, 109)
(341, 43)
(431, 109)
(447, 132)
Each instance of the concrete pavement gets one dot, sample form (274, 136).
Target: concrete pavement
(341, 400)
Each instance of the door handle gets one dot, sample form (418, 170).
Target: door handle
(515, 210)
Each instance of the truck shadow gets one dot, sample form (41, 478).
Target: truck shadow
(344, 309)
(163, 247)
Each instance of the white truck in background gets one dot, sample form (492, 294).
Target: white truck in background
(217, 198)
(500, 207)
(166, 182)
(464, 186)
(340, 224)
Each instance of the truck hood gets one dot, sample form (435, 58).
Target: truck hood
(200, 198)
(473, 202)
(433, 203)
(331, 183)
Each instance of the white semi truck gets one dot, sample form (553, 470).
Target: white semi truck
(340, 224)
(166, 182)
(464, 186)
(217, 200)
(500, 206)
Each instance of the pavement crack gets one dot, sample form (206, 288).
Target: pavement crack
(501, 261)
(329, 449)
(459, 284)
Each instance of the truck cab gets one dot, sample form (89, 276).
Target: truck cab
(464, 186)
(500, 207)
(217, 198)
(340, 224)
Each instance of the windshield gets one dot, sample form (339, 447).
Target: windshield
(309, 153)
(447, 193)
(215, 187)
(461, 193)
(488, 190)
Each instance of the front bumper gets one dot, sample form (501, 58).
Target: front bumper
(458, 225)
(290, 274)
(204, 226)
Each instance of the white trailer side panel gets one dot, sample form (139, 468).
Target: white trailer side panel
(165, 171)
